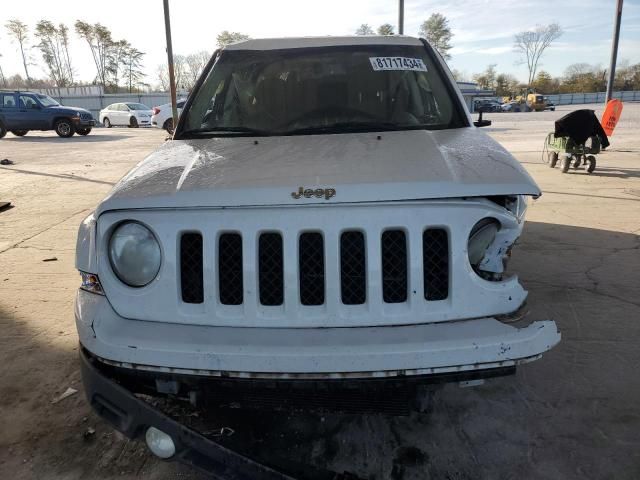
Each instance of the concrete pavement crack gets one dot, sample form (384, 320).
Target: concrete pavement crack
(45, 230)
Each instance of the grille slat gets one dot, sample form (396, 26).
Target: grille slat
(394, 266)
(353, 268)
(435, 264)
(191, 268)
(270, 269)
(311, 268)
(230, 278)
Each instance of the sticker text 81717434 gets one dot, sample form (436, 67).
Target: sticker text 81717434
(397, 63)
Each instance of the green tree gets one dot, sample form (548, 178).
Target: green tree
(226, 37)
(132, 67)
(365, 29)
(54, 49)
(531, 45)
(545, 83)
(385, 29)
(437, 32)
(487, 79)
(20, 33)
(98, 37)
(506, 85)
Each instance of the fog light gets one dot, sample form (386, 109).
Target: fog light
(160, 444)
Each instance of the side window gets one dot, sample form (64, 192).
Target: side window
(27, 101)
(8, 101)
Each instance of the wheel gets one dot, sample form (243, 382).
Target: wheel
(577, 161)
(64, 128)
(3, 130)
(566, 163)
(133, 122)
(83, 131)
(106, 122)
(592, 163)
(552, 159)
(19, 133)
(168, 125)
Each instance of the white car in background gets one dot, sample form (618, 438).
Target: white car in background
(161, 117)
(132, 115)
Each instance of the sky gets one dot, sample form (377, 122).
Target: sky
(483, 29)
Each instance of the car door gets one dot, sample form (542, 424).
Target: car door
(9, 112)
(36, 118)
(124, 114)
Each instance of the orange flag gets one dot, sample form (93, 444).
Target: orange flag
(611, 116)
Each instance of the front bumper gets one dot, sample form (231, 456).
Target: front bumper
(83, 123)
(307, 353)
(132, 416)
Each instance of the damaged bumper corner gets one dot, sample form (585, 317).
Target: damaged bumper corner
(132, 416)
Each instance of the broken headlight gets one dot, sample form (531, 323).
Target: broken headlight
(517, 205)
(481, 237)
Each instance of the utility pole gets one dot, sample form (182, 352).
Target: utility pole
(172, 79)
(614, 50)
(400, 17)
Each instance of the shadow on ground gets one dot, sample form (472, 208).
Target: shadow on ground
(574, 414)
(92, 137)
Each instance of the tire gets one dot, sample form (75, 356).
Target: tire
(19, 133)
(3, 130)
(577, 161)
(64, 128)
(566, 163)
(168, 125)
(592, 163)
(106, 122)
(83, 131)
(553, 159)
(133, 123)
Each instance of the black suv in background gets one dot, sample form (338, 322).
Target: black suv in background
(21, 111)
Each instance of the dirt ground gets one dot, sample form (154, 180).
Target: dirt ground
(574, 414)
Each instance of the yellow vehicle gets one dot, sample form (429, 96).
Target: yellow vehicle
(536, 102)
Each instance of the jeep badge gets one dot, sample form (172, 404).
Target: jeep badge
(327, 193)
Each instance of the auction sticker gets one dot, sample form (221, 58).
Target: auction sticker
(397, 63)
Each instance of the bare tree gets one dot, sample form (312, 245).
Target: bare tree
(531, 44)
(3, 81)
(365, 29)
(20, 32)
(195, 64)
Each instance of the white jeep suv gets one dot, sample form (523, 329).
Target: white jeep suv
(327, 213)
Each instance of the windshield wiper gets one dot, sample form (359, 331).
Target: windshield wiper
(245, 131)
(345, 127)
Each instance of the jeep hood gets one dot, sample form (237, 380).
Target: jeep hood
(360, 167)
(64, 108)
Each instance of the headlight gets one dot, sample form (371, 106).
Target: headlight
(134, 254)
(482, 235)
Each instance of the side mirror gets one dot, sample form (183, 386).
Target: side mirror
(480, 122)
(35, 106)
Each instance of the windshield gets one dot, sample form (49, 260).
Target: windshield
(137, 106)
(323, 90)
(47, 101)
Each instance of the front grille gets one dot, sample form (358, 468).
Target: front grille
(435, 263)
(394, 266)
(191, 268)
(353, 268)
(230, 269)
(311, 268)
(271, 269)
(86, 116)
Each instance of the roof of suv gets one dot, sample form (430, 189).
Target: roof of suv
(308, 42)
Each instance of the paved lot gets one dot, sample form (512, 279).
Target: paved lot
(573, 414)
